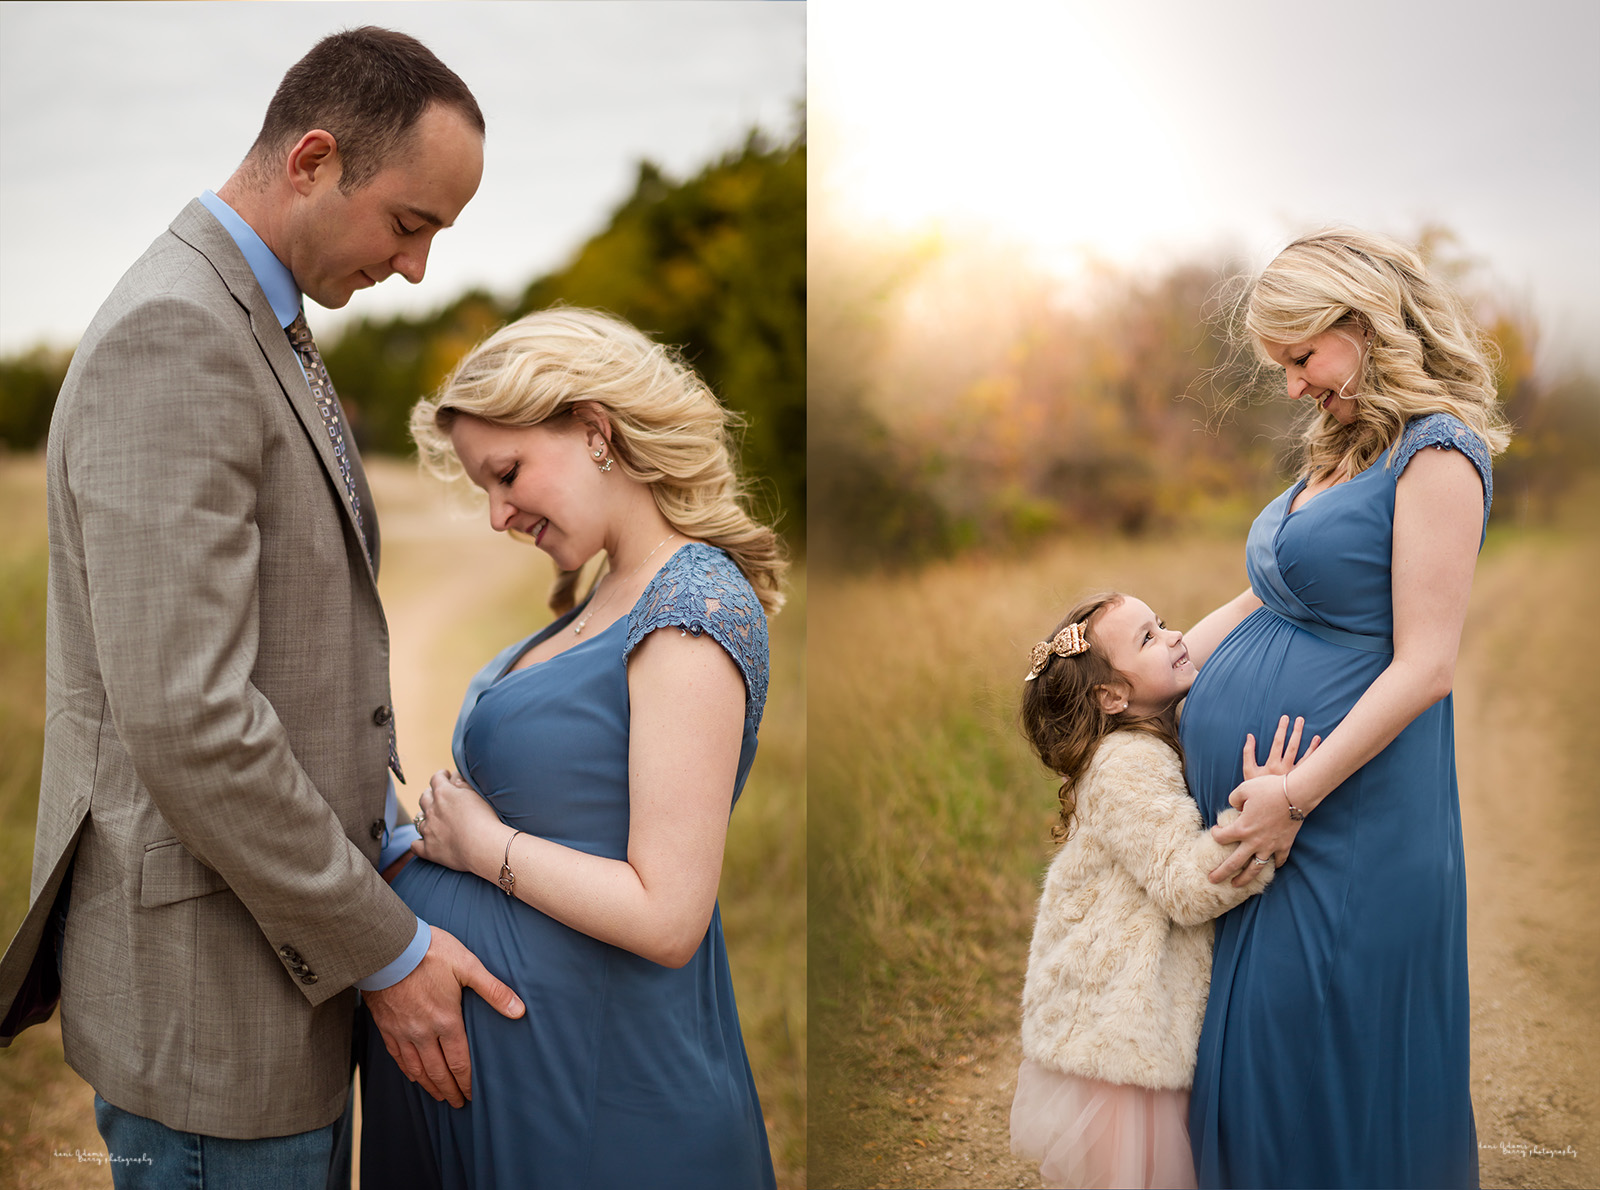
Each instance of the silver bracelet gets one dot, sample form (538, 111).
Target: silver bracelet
(1294, 814)
(508, 878)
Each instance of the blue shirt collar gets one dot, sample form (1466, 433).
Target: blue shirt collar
(276, 281)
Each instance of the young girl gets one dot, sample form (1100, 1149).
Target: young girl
(1121, 955)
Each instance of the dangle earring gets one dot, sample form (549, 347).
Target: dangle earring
(1363, 366)
(1366, 368)
(601, 454)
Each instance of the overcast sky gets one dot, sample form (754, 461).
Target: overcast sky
(1134, 132)
(113, 116)
(1140, 131)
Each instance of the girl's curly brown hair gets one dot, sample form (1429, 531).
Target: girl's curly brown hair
(1061, 712)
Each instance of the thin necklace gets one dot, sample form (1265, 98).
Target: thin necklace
(577, 628)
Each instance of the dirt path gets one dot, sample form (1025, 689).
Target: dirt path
(970, 1107)
(1528, 758)
(441, 565)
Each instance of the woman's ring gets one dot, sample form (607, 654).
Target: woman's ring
(417, 822)
(1259, 862)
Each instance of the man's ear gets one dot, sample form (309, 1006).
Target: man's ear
(313, 161)
(1112, 696)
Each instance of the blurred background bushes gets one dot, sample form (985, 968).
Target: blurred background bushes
(958, 400)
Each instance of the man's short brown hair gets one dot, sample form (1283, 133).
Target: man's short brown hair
(367, 87)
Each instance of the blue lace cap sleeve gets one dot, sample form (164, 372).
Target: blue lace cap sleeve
(701, 590)
(1441, 429)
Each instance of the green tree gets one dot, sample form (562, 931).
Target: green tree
(714, 265)
(29, 384)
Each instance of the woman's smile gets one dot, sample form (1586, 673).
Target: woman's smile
(1324, 368)
(527, 469)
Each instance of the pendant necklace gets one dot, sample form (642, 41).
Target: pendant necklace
(577, 629)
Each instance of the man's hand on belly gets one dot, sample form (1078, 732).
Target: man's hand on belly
(420, 1017)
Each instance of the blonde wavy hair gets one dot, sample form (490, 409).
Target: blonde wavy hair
(1426, 355)
(667, 429)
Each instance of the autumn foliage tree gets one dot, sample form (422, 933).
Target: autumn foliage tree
(1120, 408)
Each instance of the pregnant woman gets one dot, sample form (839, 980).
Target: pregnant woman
(1335, 1045)
(601, 758)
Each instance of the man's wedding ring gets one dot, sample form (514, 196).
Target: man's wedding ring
(1258, 861)
(417, 822)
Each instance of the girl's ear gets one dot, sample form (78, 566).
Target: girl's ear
(1113, 697)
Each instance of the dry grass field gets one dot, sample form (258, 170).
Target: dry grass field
(930, 822)
(454, 593)
(930, 831)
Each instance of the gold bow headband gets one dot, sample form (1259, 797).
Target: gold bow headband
(1069, 642)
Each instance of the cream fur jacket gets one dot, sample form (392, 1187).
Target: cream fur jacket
(1121, 956)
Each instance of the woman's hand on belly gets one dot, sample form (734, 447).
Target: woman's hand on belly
(459, 828)
(685, 729)
(1264, 825)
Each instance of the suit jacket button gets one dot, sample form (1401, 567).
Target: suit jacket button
(377, 829)
(382, 716)
(308, 978)
(290, 953)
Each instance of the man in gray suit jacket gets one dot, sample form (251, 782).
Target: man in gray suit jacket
(206, 897)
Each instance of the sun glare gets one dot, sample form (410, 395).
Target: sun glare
(1017, 121)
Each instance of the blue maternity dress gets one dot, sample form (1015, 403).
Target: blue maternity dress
(1335, 1045)
(622, 1073)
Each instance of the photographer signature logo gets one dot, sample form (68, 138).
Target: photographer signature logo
(90, 1157)
(1521, 1148)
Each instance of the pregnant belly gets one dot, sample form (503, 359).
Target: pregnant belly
(516, 942)
(1263, 669)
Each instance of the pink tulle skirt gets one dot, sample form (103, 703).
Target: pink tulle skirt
(1085, 1133)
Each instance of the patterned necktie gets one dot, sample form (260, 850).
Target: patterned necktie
(328, 405)
(333, 419)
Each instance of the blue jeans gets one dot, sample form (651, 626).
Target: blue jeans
(147, 1155)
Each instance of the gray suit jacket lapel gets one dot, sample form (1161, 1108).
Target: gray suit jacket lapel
(198, 228)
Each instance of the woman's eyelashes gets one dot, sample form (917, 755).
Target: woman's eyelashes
(510, 477)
